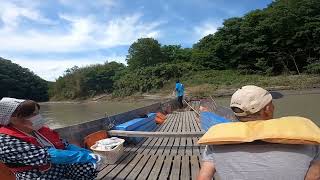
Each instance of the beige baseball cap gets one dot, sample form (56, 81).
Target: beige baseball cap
(250, 99)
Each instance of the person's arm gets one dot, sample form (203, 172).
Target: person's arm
(16, 151)
(314, 171)
(207, 171)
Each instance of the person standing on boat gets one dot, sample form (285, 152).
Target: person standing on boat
(180, 92)
(259, 160)
(34, 151)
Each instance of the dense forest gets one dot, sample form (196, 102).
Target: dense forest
(282, 39)
(19, 82)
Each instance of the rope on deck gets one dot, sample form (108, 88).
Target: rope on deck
(154, 134)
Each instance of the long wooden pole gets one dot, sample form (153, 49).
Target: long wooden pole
(154, 134)
(191, 107)
(215, 104)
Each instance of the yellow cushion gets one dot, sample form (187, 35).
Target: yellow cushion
(285, 130)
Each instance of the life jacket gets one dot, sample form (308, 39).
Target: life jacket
(285, 130)
(45, 132)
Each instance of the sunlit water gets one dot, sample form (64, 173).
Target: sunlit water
(304, 104)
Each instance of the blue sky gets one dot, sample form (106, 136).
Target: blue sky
(49, 36)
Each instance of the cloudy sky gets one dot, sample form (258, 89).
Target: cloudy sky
(49, 36)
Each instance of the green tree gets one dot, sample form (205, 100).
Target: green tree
(19, 82)
(144, 52)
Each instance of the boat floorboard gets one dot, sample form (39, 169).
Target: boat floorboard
(161, 158)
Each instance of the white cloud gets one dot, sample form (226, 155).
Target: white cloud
(85, 33)
(68, 33)
(206, 29)
(11, 15)
(125, 30)
(51, 69)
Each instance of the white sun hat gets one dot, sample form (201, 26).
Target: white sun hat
(250, 99)
(7, 107)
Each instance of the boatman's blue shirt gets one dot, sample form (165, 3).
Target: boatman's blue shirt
(179, 89)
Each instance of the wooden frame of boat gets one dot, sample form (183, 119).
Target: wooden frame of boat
(171, 152)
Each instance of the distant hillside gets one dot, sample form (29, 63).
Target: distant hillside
(19, 82)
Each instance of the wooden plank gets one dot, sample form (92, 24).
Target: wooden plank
(185, 168)
(165, 171)
(148, 148)
(175, 147)
(164, 145)
(154, 149)
(110, 167)
(120, 167)
(167, 150)
(194, 167)
(147, 168)
(189, 141)
(156, 168)
(175, 171)
(195, 145)
(137, 169)
(183, 140)
(123, 174)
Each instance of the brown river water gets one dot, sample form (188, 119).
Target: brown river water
(295, 103)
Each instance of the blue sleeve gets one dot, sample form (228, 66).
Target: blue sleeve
(209, 119)
(73, 147)
(58, 156)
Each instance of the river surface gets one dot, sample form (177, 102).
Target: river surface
(289, 103)
(305, 104)
(66, 114)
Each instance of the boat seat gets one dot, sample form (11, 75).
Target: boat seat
(92, 138)
(6, 173)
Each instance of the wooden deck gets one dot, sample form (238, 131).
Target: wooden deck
(161, 158)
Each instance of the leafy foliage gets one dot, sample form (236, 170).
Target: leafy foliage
(144, 52)
(19, 82)
(87, 81)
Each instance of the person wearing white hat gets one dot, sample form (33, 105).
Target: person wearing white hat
(34, 151)
(258, 160)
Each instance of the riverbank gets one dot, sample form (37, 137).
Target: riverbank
(225, 83)
(213, 83)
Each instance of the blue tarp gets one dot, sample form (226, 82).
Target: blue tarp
(138, 124)
(133, 124)
(150, 126)
(208, 119)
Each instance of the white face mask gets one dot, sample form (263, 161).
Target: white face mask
(37, 122)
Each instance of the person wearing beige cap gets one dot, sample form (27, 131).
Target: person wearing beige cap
(258, 160)
(33, 151)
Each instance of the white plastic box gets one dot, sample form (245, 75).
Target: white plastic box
(110, 156)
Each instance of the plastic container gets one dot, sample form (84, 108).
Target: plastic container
(110, 156)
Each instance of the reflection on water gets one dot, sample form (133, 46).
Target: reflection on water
(305, 105)
(65, 114)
